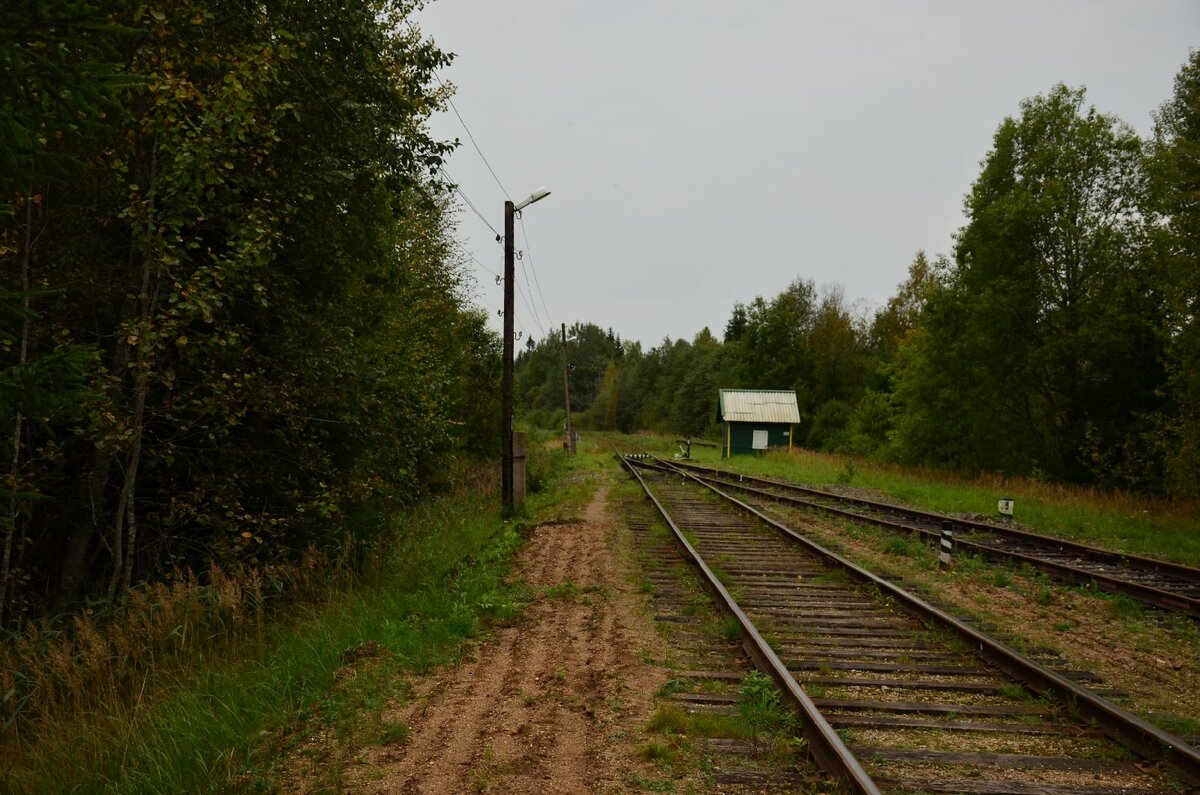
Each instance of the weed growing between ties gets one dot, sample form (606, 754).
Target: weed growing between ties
(761, 720)
(731, 629)
(193, 717)
(761, 708)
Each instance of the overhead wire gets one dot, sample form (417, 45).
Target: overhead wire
(485, 267)
(530, 306)
(454, 183)
(478, 262)
(522, 256)
(525, 300)
(463, 122)
(536, 280)
(517, 283)
(457, 189)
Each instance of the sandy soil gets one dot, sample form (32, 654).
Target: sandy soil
(552, 705)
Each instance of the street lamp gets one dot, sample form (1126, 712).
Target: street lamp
(506, 416)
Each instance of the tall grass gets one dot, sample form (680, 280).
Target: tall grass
(172, 691)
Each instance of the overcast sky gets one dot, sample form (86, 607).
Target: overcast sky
(703, 152)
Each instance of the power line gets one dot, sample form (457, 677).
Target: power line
(536, 281)
(521, 291)
(485, 267)
(528, 302)
(525, 299)
(348, 126)
(463, 122)
(467, 199)
(529, 286)
(529, 306)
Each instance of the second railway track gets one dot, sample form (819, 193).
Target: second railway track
(1158, 583)
(896, 695)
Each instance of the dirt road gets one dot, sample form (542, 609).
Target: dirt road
(553, 705)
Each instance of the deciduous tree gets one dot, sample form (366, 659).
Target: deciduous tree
(1044, 341)
(1176, 171)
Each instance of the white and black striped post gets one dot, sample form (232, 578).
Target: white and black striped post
(947, 545)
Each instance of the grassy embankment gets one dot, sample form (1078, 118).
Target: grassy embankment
(140, 703)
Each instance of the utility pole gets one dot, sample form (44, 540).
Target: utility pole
(506, 401)
(567, 392)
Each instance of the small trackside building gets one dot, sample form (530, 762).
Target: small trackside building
(756, 419)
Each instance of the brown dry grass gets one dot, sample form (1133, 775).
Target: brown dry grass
(94, 660)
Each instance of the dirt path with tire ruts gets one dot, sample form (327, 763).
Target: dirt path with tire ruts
(554, 704)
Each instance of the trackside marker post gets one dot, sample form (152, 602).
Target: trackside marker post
(947, 546)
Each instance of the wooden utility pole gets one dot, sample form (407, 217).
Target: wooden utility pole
(567, 393)
(506, 401)
(507, 471)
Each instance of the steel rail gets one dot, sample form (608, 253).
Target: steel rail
(1149, 564)
(1150, 594)
(1148, 740)
(823, 741)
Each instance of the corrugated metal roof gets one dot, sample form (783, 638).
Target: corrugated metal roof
(759, 405)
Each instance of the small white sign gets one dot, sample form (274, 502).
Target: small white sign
(1005, 506)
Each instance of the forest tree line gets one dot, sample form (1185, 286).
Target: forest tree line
(1060, 339)
(232, 311)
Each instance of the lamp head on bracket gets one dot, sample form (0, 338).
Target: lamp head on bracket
(537, 195)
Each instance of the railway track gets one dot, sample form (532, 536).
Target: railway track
(892, 693)
(708, 667)
(1160, 584)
